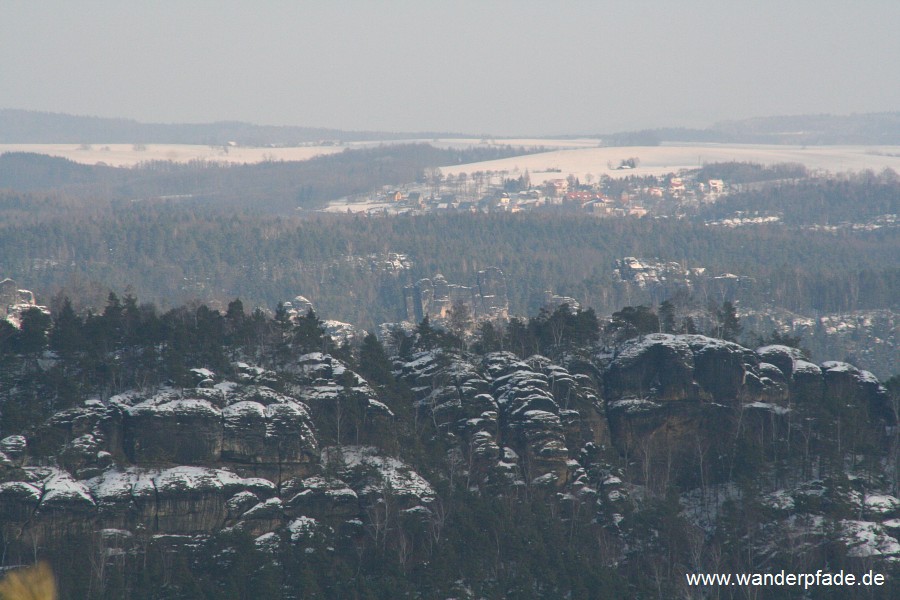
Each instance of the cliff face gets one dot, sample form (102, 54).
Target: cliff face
(190, 461)
(683, 399)
(515, 420)
(308, 455)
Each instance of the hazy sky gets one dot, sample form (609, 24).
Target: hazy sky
(526, 67)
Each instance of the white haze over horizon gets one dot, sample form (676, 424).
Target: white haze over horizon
(501, 68)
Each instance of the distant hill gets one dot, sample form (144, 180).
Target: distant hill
(872, 128)
(31, 127)
(25, 171)
(284, 185)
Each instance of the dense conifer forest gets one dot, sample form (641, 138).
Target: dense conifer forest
(175, 253)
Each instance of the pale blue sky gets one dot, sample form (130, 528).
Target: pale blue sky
(483, 67)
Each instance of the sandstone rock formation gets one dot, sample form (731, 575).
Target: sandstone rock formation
(435, 297)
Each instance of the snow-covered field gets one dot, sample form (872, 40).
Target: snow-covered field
(659, 160)
(127, 155)
(579, 157)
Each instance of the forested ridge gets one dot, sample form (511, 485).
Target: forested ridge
(535, 475)
(271, 187)
(33, 127)
(818, 202)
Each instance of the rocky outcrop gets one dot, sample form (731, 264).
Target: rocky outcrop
(308, 458)
(530, 419)
(13, 300)
(658, 367)
(341, 402)
(252, 428)
(512, 419)
(672, 398)
(320, 497)
(783, 357)
(694, 368)
(457, 398)
(492, 298)
(722, 368)
(373, 476)
(435, 297)
(179, 430)
(169, 461)
(833, 385)
(845, 385)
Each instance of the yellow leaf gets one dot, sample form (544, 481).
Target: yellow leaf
(32, 583)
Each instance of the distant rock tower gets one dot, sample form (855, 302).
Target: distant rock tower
(9, 294)
(493, 299)
(12, 299)
(435, 297)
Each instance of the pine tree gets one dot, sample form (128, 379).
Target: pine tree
(8, 334)
(729, 325)
(516, 338)
(66, 337)
(32, 336)
(488, 339)
(426, 335)
(235, 323)
(113, 321)
(460, 317)
(688, 325)
(632, 321)
(667, 317)
(309, 333)
(374, 364)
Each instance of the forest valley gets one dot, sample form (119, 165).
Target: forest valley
(825, 269)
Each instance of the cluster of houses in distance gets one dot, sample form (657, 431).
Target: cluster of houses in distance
(492, 192)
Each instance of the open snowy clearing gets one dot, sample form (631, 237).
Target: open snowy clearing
(579, 157)
(128, 155)
(660, 160)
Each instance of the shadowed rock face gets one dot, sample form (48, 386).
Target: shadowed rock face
(658, 366)
(671, 397)
(832, 384)
(506, 413)
(320, 497)
(669, 368)
(806, 382)
(18, 501)
(175, 462)
(340, 400)
(271, 429)
(721, 368)
(671, 403)
(847, 385)
(242, 455)
(244, 433)
(187, 431)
